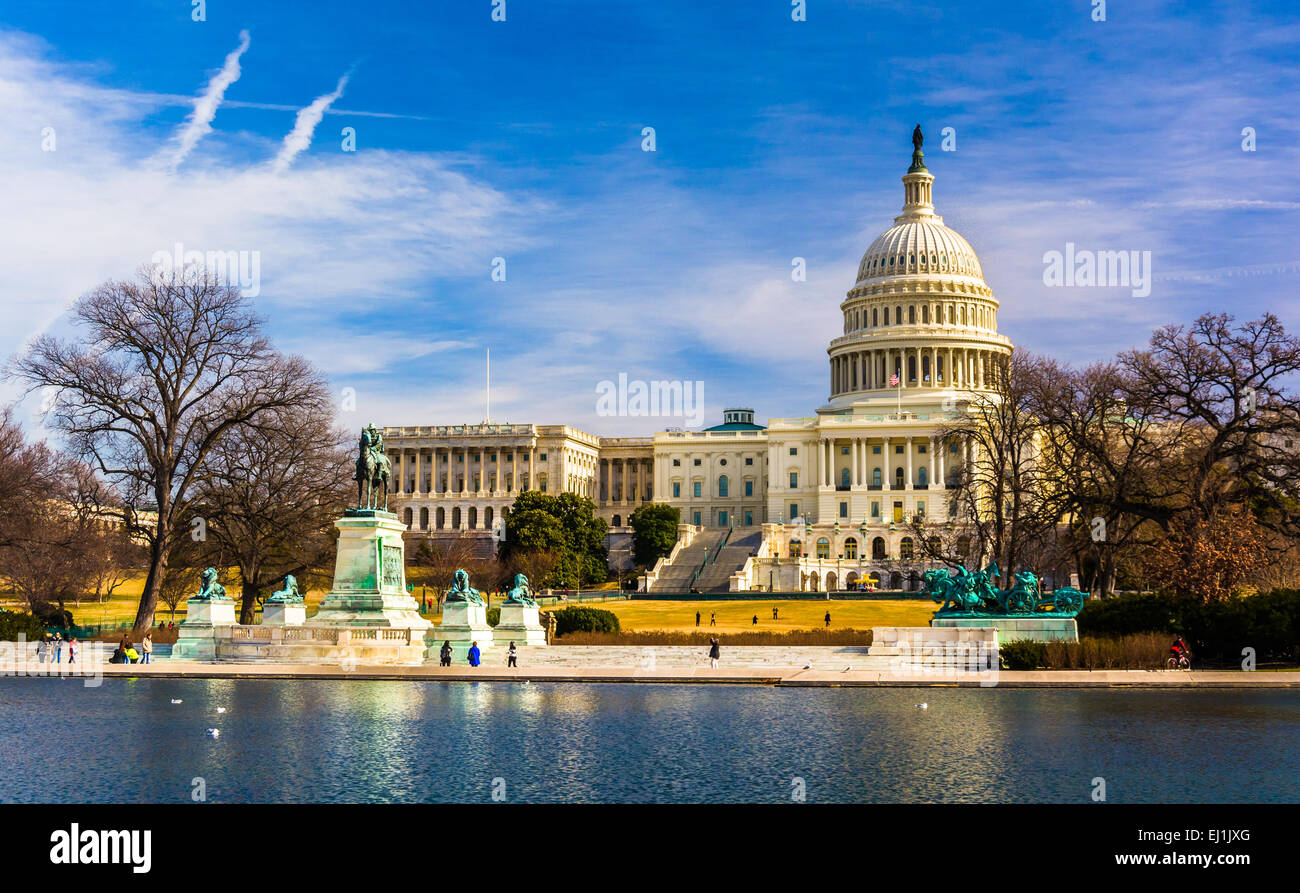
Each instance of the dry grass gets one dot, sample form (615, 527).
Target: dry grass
(1142, 651)
(683, 637)
(639, 615)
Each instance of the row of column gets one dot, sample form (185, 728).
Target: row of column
(860, 463)
(636, 476)
(865, 370)
(411, 461)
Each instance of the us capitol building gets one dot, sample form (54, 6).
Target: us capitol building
(822, 502)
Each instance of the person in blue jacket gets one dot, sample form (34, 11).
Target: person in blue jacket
(473, 654)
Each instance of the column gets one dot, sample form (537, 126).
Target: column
(933, 479)
(908, 450)
(884, 465)
(942, 480)
(514, 468)
(532, 467)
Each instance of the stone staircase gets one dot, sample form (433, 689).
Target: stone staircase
(716, 577)
(678, 575)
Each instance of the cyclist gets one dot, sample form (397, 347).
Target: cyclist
(1180, 653)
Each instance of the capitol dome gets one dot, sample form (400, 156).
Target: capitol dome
(919, 310)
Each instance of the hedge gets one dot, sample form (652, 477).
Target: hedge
(585, 620)
(12, 623)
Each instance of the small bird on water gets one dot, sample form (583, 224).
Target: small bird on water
(176, 700)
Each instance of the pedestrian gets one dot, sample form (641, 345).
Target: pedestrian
(715, 652)
(774, 612)
(42, 646)
(828, 619)
(755, 620)
(713, 618)
(512, 656)
(474, 654)
(72, 650)
(58, 648)
(445, 654)
(146, 646)
(697, 618)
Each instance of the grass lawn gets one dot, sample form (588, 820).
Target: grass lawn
(737, 616)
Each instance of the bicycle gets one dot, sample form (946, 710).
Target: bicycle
(1179, 662)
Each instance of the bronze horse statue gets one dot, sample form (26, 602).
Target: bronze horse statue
(373, 469)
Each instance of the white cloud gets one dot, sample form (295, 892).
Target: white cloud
(298, 139)
(199, 123)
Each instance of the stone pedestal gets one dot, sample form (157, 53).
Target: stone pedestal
(1032, 627)
(205, 621)
(370, 575)
(462, 624)
(284, 614)
(519, 624)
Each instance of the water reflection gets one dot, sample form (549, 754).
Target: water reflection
(400, 741)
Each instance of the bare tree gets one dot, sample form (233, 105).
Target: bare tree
(272, 490)
(443, 556)
(166, 367)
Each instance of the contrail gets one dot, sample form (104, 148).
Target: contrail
(299, 138)
(199, 123)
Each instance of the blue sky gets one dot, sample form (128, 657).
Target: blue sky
(522, 139)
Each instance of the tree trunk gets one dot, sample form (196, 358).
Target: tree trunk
(248, 602)
(152, 587)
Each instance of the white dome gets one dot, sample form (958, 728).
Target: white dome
(919, 245)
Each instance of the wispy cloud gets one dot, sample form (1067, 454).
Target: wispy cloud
(298, 139)
(199, 123)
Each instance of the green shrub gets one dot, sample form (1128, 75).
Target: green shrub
(493, 616)
(1124, 615)
(12, 623)
(585, 620)
(1022, 654)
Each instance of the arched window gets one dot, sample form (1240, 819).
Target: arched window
(440, 520)
(911, 314)
(796, 548)
(850, 548)
(898, 315)
(878, 548)
(875, 478)
(925, 313)
(618, 521)
(905, 548)
(844, 479)
(722, 485)
(823, 548)
(424, 518)
(407, 515)
(473, 517)
(455, 518)
(911, 368)
(898, 478)
(487, 517)
(875, 316)
(896, 581)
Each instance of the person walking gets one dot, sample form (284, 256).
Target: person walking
(715, 652)
(828, 619)
(58, 648)
(146, 646)
(755, 620)
(445, 655)
(512, 656)
(713, 618)
(697, 618)
(474, 654)
(774, 612)
(72, 650)
(42, 647)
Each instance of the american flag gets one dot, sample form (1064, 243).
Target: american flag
(893, 380)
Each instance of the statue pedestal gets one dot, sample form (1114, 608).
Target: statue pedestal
(462, 624)
(284, 614)
(520, 624)
(1042, 627)
(370, 575)
(205, 621)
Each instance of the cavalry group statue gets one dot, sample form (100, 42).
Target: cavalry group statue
(965, 593)
(373, 469)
